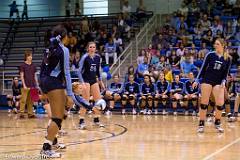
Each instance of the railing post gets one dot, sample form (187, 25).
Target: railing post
(136, 46)
(119, 63)
(3, 83)
(131, 51)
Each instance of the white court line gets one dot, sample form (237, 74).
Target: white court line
(221, 149)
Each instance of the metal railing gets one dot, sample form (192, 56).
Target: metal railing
(141, 41)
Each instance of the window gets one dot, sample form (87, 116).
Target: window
(95, 7)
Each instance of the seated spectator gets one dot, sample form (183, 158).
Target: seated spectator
(76, 61)
(180, 50)
(171, 37)
(77, 10)
(198, 31)
(174, 60)
(119, 44)
(168, 74)
(143, 68)
(154, 60)
(203, 51)
(126, 8)
(110, 51)
(102, 40)
(182, 25)
(162, 64)
(187, 66)
(205, 23)
(114, 31)
(70, 41)
(229, 31)
(160, 50)
(216, 26)
(208, 38)
(141, 55)
(13, 100)
(130, 71)
(184, 9)
(84, 26)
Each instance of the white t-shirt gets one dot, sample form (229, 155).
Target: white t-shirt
(118, 41)
(126, 9)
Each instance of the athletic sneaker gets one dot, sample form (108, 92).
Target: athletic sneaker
(82, 126)
(62, 132)
(156, 112)
(142, 111)
(59, 146)
(149, 112)
(200, 129)
(123, 111)
(219, 128)
(99, 124)
(9, 111)
(108, 113)
(164, 112)
(49, 154)
(134, 111)
(194, 113)
(175, 113)
(15, 111)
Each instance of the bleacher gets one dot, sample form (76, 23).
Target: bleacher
(30, 35)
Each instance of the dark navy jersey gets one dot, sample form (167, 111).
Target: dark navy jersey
(189, 89)
(177, 87)
(162, 87)
(237, 87)
(89, 68)
(56, 64)
(147, 89)
(16, 89)
(131, 88)
(214, 68)
(116, 87)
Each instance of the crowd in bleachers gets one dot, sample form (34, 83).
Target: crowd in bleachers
(187, 35)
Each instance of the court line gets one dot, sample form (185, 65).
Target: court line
(113, 135)
(221, 149)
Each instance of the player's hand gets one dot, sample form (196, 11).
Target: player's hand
(194, 85)
(223, 84)
(69, 102)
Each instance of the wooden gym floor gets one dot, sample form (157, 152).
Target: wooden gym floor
(123, 138)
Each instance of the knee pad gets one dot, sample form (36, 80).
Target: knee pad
(204, 106)
(194, 99)
(9, 99)
(100, 105)
(185, 99)
(220, 108)
(58, 122)
(131, 97)
(227, 101)
(212, 103)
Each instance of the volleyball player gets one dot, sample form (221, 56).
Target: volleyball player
(214, 73)
(130, 94)
(162, 93)
(147, 94)
(90, 79)
(55, 82)
(114, 93)
(191, 94)
(177, 91)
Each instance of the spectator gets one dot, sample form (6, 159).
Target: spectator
(85, 26)
(70, 41)
(25, 10)
(29, 80)
(162, 64)
(119, 44)
(141, 55)
(193, 51)
(236, 8)
(141, 10)
(180, 50)
(13, 9)
(206, 24)
(229, 30)
(110, 51)
(130, 71)
(68, 8)
(77, 10)
(126, 8)
(13, 100)
(114, 31)
(187, 66)
(216, 26)
(182, 25)
(143, 68)
(76, 60)
(47, 37)
(174, 60)
(154, 59)
(168, 74)
(171, 37)
(208, 38)
(184, 9)
(203, 51)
